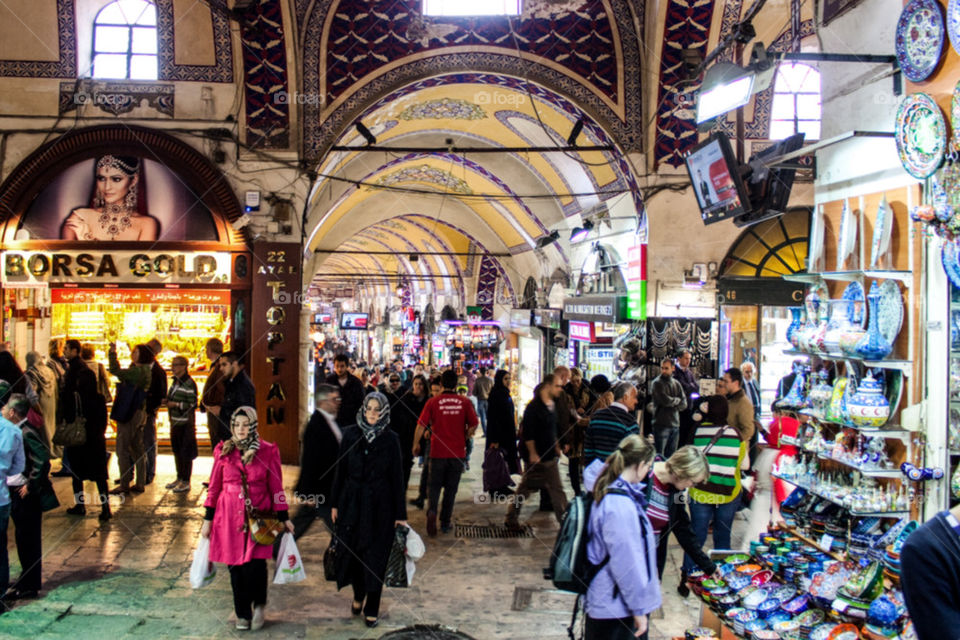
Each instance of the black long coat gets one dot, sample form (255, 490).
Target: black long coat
(502, 425)
(89, 460)
(318, 460)
(403, 420)
(368, 494)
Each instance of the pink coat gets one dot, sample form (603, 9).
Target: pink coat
(229, 543)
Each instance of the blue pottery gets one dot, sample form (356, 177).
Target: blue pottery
(795, 398)
(873, 346)
(883, 613)
(868, 407)
(795, 325)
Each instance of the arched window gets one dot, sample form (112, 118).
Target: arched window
(796, 102)
(125, 41)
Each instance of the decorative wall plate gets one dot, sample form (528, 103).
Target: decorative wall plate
(848, 235)
(919, 39)
(893, 388)
(882, 230)
(890, 317)
(955, 103)
(949, 255)
(953, 24)
(921, 135)
(815, 251)
(857, 306)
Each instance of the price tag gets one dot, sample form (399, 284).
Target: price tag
(826, 542)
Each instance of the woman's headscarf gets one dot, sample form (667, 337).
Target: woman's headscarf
(248, 446)
(371, 431)
(498, 379)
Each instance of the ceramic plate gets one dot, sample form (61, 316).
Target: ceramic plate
(856, 299)
(890, 310)
(893, 389)
(919, 39)
(955, 103)
(949, 256)
(921, 134)
(816, 241)
(953, 24)
(882, 228)
(848, 232)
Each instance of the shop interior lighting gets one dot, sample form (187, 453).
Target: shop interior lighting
(727, 86)
(581, 233)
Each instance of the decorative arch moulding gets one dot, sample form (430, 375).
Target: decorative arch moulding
(174, 161)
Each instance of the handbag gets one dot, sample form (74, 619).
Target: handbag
(264, 526)
(330, 559)
(496, 472)
(74, 433)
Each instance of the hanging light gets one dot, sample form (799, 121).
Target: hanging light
(581, 233)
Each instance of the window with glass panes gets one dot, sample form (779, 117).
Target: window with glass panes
(472, 8)
(125, 41)
(796, 102)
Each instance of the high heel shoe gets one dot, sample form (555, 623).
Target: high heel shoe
(371, 622)
(355, 608)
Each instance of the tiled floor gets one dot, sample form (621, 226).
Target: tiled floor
(129, 577)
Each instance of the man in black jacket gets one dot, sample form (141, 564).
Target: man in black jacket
(155, 395)
(351, 390)
(238, 390)
(319, 448)
(930, 576)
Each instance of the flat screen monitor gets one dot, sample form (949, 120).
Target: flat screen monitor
(716, 180)
(770, 186)
(354, 320)
(322, 318)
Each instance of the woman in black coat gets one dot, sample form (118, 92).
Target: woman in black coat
(89, 460)
(502, 420)
(368, 504)
(403, 421)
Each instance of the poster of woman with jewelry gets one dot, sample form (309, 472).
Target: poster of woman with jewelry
(118, 198)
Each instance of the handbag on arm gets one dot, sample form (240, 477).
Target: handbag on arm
(264, 526)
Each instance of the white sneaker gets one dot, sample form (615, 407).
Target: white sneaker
(257, 622)
(243, 624)
(171, 485)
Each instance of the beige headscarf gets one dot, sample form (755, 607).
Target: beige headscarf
(249, 445)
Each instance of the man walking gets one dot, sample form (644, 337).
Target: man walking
(481, 389)
(543, 448)
(155, 395)
(668, 401)
(238, 391)
(452, 420)
(751, 387)
(691, 391)
(212, 396)
(319, 450)
(350, 387)
(181, 404)
(12, 462)
(612, 424)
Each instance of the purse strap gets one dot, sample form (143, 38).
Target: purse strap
(247, 502)
(78, 408)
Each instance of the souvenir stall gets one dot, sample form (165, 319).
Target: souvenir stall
(523, 356)
(595, 322)
(140, 259)
(476, 343)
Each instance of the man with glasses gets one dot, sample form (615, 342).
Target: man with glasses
(319, 449)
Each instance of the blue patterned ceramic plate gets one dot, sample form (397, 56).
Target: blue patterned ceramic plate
(857, 300)
(949, 258)
(882, 228)
(953, 24)
(955, 106)
(890, 310)
(919, 39)
(921, 135)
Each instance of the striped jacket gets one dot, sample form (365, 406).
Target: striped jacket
(725, 458)
(182, 401)
(607, 428)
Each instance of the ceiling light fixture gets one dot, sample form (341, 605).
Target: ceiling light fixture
(367, 135)
(581, 233)
(727, 86)
(548, 239)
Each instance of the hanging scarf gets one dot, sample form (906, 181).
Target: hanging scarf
(248, 446)
(371, 431)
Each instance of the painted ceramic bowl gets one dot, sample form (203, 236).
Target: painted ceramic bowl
(730, 614)
(744, 593)
(737, 558)
(761, 578)
(737, 582)
(811, 618)
(883, 612)
(743, 619)
(755, 599)
(700, 632)
(822, 631)
(749, 569)
(768, 607)
(844, 632)
(765, 634)
(784, 593)
(755, 625)
(798, 605)
(786, 626)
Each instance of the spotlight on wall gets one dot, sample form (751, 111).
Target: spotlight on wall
(581, 233)
(577, 128)
(548, 239)
(367, 135)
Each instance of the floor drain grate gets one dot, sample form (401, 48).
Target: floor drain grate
(491, 531)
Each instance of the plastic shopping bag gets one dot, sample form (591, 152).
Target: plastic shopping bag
(415, 551)
(397, 563)
(202, 571)
(289, 564)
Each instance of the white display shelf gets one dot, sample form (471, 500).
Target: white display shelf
(906, 277)
(904, 366)
(886, 431)
(826, 496)
(869, 473)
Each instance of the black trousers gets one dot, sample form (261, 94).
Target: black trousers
(304, 517)
(611, 629)
(183, 441)
(425, 473)
(444, 475)
(573, 470)
(370, 599)
(101, 489)
(27, 516)
(249, 582)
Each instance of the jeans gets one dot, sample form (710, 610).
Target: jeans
(249, 583)
(701, 515)
(27, 515)
(4, 560)
(665, 440)
(543, 475)
(444, 474)
(150, 444)
(482, 412)
(610, 629)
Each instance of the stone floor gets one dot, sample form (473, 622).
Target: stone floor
(129, 577)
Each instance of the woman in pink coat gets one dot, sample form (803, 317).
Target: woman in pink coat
(225, 519)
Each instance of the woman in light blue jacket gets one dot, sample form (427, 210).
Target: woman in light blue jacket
(626, 589)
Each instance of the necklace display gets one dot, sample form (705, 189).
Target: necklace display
(114, 219)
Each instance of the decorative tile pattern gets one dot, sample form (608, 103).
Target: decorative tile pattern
(169, 70)
(444, 108)
(66, 66)
(487, 286)
(117, 97)
(426, 173)
(265, 77)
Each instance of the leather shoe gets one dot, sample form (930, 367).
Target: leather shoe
(371, 622)
(137, 488)
(77, 510)
(16, 594)
(417, 502)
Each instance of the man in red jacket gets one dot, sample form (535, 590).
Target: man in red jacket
(451, 420)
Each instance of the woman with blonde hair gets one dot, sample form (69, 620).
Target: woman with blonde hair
(625, 589)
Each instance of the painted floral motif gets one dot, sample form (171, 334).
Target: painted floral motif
(921, 135)
(919, 40)
(451, 108)
(426, 173)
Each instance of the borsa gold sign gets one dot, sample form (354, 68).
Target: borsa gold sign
(37, 267)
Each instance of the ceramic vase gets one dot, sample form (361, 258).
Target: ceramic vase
(795, 325)
(868, 407)
(955, 483)
(796, 398)
(806, 332)
(820, 393)
(839, 310)
(873, 346)
(834, 412)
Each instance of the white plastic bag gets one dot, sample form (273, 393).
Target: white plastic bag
(202, 571)
(289, 564)
(414, 551)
